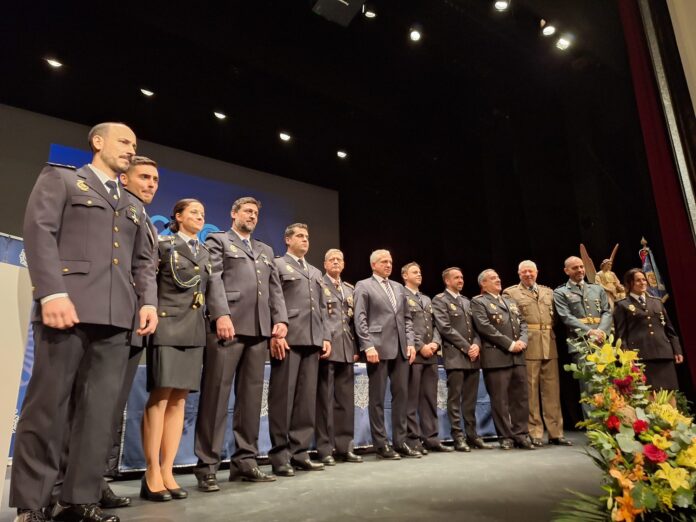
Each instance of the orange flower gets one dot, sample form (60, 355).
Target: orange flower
(598, 400)
(617, 401)
(625, 510)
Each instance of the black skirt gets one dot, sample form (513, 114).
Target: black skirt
(661, 374)
(174, 367)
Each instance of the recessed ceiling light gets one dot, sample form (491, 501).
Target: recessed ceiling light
(53, 62)
(285, 136)
(147, 92)
(220, 115)
(563, 43)
(370, 14)
(341, 154)
(548, 30)
(502, 5)
(415, 35)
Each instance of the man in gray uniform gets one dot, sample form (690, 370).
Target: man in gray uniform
(292, 391)
(335, 416)
(503, 331)
(461, 350)
(385, 332)
(246, 308)
(91, 267)
(421, 415)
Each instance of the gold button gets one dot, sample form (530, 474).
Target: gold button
(115, 229)
(196, 269)
(116, 244)
(258, 271)
(259, 293)
(312, 309)
(163, 314)
(66, 270)
(310, 290)
(257, 262)
(115, 261)
(311, 299)
(89, 201)
(117, 213)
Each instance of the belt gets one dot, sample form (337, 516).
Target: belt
(590, 320)
(532, 326)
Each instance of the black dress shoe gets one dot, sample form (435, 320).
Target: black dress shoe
(284, 471)
(524, 443)
(109, 499)
(461, 445)
(252, 475)
(479, 443)
(155, 496)
(81, 513)
(387, 453)
(306, 465)
(348, 457)
(178, 493)
(417, 446)
(405, 451)
(31, 515)
(208, 483)
(441, 448)
(506, 444)
(560, 441)
(328, 461)
(537, 442)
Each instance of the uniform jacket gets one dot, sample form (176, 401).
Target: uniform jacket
(585, 309)
(455, 323)
(424, 330)
(135, 339)
(244, 285)
(340, 311)
(180, 309)
(646, 328)
(498, 324)
(81, 241)
(304, 297)
(538, 312)
(376, 323)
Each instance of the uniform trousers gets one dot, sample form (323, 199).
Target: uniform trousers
(421, 410)
(507, 388)
(542, 376)
(462, 393)
(335, 417)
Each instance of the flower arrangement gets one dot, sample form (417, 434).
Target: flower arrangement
(644, 444)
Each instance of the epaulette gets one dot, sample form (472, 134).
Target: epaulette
(52, 164)
(348, 285)
(509, 288)
(165, 238)
(653, 297)
(214, 232)
(440, 295)
(544, 286)
(480, 296)
(277, 256)
(621, 300)
(561, 286)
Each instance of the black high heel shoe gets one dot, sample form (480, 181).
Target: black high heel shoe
(154, 496)
(178, 493)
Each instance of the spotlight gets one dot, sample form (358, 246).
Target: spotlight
(220, 115)
(147, 92)
(368, 11)
(563, 43)
(548, 30)
(502, 5)
(54, 63)
(415, 35)
(285, 136)
(341, 154)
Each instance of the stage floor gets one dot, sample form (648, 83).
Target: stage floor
(481, 486)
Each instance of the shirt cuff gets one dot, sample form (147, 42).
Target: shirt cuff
(512, 346)
(151, 307)
(51, 297)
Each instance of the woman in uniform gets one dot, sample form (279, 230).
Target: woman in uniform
(175, 355)
(642, 323)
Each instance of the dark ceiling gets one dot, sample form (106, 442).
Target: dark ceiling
(393, 105)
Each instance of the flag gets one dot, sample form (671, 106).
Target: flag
(656, 285)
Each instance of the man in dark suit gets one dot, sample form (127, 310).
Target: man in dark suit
(246, 308)
(292, 390)
(503, 331)
(422, 423)
(385, 333)
(461, 350)
(91, 267)
(335, 389)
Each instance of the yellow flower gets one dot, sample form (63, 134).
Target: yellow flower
(687, 458)
(626, 356)
(602, 357)
(669, 414)
(677, 477)
(661, 442)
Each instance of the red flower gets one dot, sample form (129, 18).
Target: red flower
(613, 423)
(625, 385)
(640, 426)
(654, 453)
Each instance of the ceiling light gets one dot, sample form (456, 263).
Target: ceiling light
(285, 136)
(220, 115)
(563, 43)
(548, 30)
(368, 11)
(415, 35)
(341, 154)
(53, 62)
(502, 5)
(147, 92)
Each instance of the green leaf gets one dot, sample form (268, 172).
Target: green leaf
(627, 441)
(683, 498)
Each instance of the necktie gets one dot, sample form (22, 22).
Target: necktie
(302, 264)
(247, 244)
(112, 188)
(193, 244)
(641, 299)
(390, 294)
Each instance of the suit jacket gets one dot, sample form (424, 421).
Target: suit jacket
(424, 331)
(244, 285)
(304, 297)
(498, 324)
(646, 328)
(455, 323)
(340, 313)
(377, 324)
(537, 310)
(584, 310)
(135, 339)
(181, 320)
(81, 241)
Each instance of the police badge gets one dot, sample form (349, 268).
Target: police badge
(132, 214)
(82, 185)
(631, 308)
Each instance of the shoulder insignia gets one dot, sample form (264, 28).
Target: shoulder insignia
(166, 238)
(348, 285)
(440, 295)
(60, 165)
(216, 233)
(477, 297)
(653, 297)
